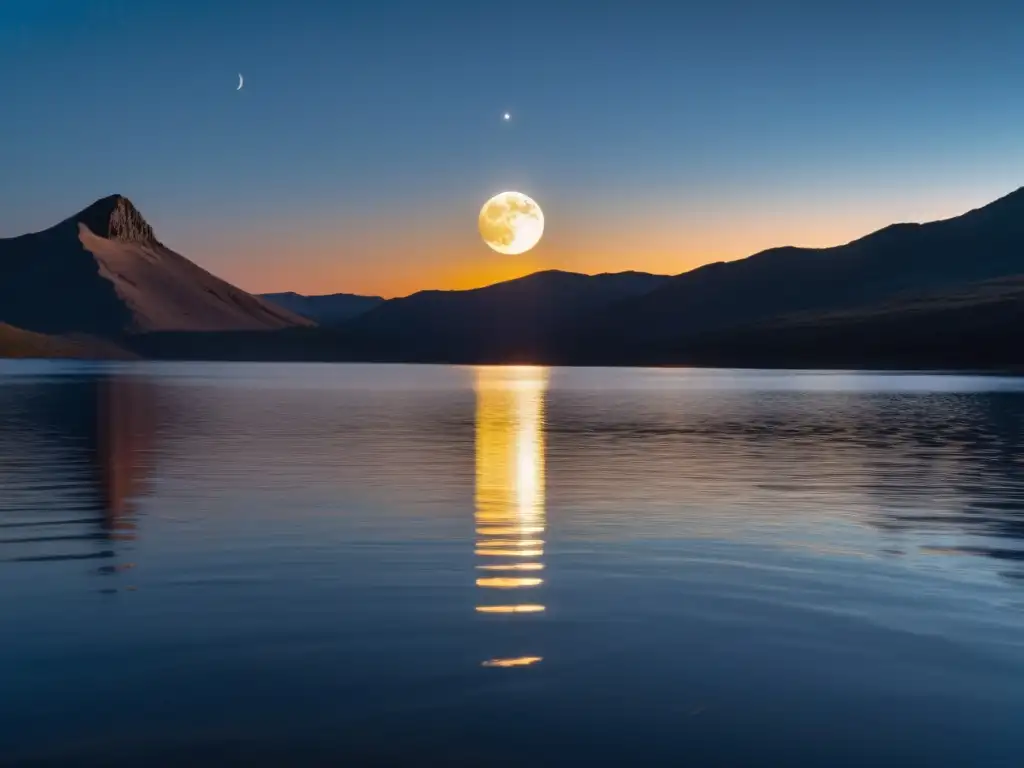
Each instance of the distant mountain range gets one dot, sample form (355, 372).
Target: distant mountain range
(944, 293)
(514, 320)
(330, 309)
(900, 259)
(975, 325)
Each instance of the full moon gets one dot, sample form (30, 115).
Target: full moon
(511, 223)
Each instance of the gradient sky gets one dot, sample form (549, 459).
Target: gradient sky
(655, 135)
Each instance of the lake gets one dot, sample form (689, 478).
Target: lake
(211, 564)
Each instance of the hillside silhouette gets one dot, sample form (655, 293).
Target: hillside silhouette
(900, 259)
(513, 320)
(14, 342)
(329, 309)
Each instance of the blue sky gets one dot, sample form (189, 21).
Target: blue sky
(656, 135)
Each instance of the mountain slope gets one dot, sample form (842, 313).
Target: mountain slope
(330, 309)
(512, 320)
(982, 244)
(14, 342)
(980, 325)
(977, 325)
(104, 272)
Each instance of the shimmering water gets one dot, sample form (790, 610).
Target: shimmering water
(391, 565)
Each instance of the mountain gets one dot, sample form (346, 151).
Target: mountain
(513, 320)
(14, 342)
(104, 272)
(980, 325)
(946, 293)
(330, 309)
(972, 326)
(633, 317)
(903, 258)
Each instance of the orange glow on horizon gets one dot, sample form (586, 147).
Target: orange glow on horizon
(370, 256)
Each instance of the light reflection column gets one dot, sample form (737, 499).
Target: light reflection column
(510, 490)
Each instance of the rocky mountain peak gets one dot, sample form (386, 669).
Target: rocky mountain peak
(116, 218)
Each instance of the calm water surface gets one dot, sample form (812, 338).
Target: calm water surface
(397, 565)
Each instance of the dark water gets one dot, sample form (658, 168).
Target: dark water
(311, 565)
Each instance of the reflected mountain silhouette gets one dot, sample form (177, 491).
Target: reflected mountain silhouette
(85, 445)
(126, 427)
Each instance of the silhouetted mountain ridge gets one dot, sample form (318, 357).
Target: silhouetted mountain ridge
(878, 297)
(329, 309)
(981, 244)
(510, 319)
(976, 325)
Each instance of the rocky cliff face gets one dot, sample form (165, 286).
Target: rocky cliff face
(115, 218)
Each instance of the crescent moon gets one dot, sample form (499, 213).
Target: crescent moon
(241, 82)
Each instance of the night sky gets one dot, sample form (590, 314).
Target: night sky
(656, 135)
